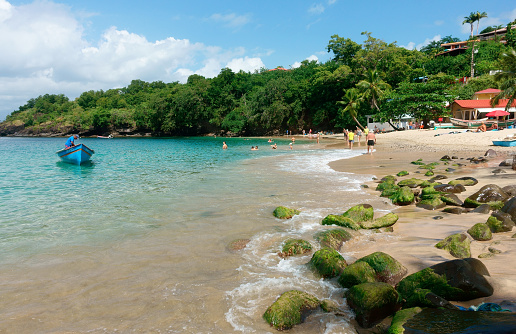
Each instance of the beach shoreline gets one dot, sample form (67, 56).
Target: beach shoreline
(418, 230)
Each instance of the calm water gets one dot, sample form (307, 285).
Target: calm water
(137, 240)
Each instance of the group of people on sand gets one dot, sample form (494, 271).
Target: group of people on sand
(369, 137)
(484, 128)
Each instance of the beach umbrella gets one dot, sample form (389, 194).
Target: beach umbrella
(497, 113)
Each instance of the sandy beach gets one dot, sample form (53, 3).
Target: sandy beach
(418, 230)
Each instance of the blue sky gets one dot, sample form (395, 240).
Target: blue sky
(68, 46)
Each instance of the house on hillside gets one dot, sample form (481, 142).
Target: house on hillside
(453, 49)
(480, 105)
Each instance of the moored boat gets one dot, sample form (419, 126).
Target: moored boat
(77, 154)
(475, 123)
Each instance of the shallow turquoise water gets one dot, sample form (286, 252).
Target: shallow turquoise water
(137, 240)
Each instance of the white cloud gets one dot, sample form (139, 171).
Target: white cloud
(44, 51)
(412, 45)
(231, 20)
(311, 58)
(316, 8)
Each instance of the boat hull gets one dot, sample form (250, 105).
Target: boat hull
(76, 155)
(506, 143)
(477, 122)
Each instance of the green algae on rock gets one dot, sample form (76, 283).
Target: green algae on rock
(290, 309)
(387, 268)
(295, 247)
(457, 244)
(340, 220)
(328, 262)
(384, 221)
(403, 196)
(357, 273)
(480, 232)
(360, 213)
(372, 302)
(333, 238)
(282, 212)
(402, 173)
(400, 318)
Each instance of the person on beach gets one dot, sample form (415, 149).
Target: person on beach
(290, 145)
(371, 140)
(293, 140)
(71, 141)
(351, 137)
(482, 128)
(359, 135)
(224, 145)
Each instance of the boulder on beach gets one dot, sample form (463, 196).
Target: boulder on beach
(328, 263)
(480, 232)
(442, 320)
(295, 247)
(510, 208)
(484, 208)
(411, 183)
(402, 173)
(290, 309)
(384, 221)
(451, 199)
(387, 268)
(465, 181)
(360, 213)
(500, 222)
(431, 202)
(357, 273)
(372, 302)
(458, 280)
(340, 220)
(448, 188)
(458, 245)
(403, 196)
(510, 189)
(282, 212)
(333, 238)
(489, 194)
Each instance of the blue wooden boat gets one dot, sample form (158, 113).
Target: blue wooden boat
(507, 142)
(77, 154)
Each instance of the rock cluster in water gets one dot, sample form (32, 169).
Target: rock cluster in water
(376, 284)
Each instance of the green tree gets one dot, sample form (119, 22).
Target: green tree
(471, 18)
(373, 89)
(352, 101)
(478, 17)
(344, 49)
(507, 79)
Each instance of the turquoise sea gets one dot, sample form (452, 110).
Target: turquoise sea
(137, 240)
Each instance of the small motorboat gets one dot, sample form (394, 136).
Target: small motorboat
(507, 141)
(104, 137)
(77, 154)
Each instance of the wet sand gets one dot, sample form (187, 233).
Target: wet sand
(417, 231)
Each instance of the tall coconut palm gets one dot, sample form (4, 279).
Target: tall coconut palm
(352, 100)
(471, 18)
(507, 79)
(373, 89)
(478, 16)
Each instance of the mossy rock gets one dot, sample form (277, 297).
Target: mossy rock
(404, 196)
(429, 166)
(333, 238)
(384, 221)
(497, 225)
(387, 268)
(451, 199)
(385, 185)
(360, 213)
(388, 192)
(328, 262)
(429, 173)
(480, 232)
(465, 181)
(429, 191)
(457, 244)
(418, 162)
(389, 178)
(414, 288)
(411, 183)
(495, 205)
(295, 247)
(357, 273)
(427, 183)
(400, 318)
(402, 173)
(431, 202)
(282, 212)
(340, 220)
(372, 302)
(290, 309)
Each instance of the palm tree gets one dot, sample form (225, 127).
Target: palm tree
(471, 18)
(478, 16)
(373, 89)
(507, 79)
(352, 100)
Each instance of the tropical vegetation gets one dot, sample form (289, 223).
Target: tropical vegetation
(373, 78)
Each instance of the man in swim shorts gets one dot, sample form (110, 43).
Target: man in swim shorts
(371, 140)
(70, 142)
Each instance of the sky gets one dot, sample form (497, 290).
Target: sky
(71, 46)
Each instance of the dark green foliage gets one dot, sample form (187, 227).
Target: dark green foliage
(328, 262)
(290, 309)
